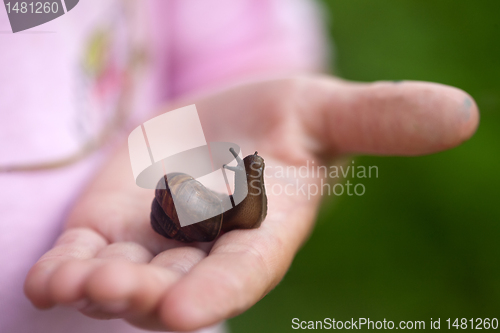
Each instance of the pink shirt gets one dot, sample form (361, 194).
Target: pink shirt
(60, 83)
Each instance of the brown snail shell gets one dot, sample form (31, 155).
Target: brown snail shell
(248, 214)
(164, 217)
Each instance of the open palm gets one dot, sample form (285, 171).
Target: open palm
(109, 262)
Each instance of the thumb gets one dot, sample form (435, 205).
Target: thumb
(387, 118)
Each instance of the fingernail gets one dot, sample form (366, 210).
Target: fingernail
(466, 108)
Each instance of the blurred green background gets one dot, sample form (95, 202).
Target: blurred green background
(424, 241)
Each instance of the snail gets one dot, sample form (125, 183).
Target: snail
(200, 201)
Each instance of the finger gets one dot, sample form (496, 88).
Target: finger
(74, 244)
(242, 267)
(133, 291)
(388, 118)
(67, 283)
(126, 251)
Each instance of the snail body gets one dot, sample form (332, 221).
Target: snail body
(198, 201)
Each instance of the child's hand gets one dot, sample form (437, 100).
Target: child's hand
(110, 263)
